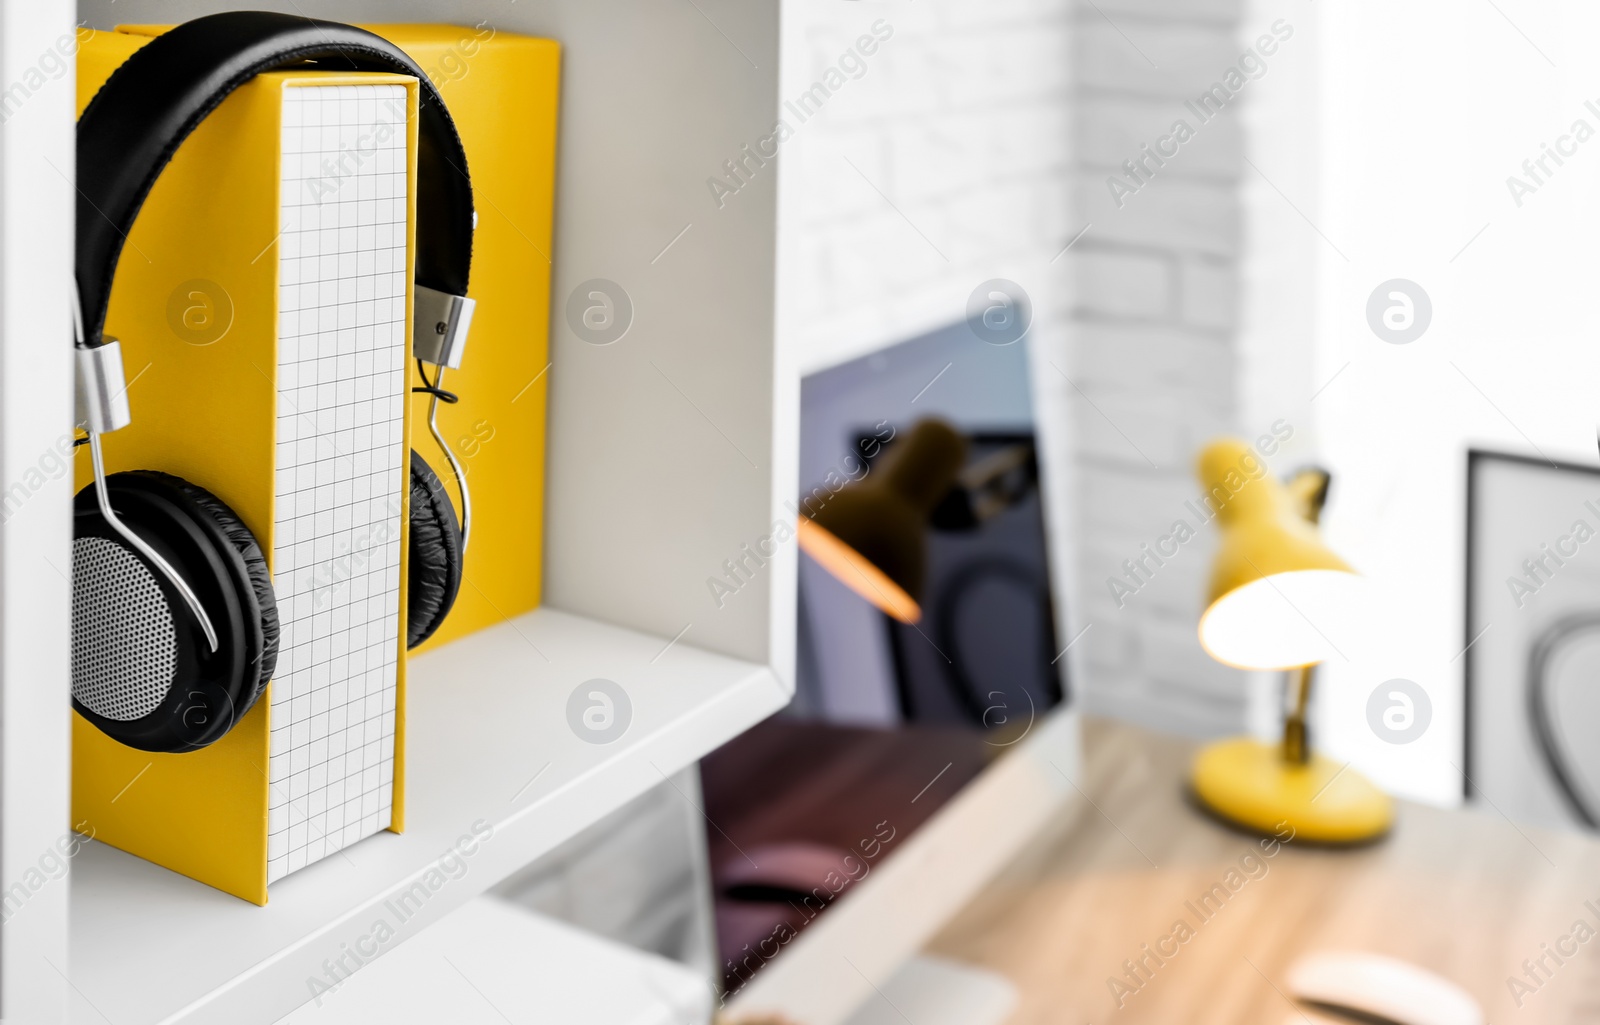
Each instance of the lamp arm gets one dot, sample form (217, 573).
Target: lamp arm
(1296, 738)
(1309, 486)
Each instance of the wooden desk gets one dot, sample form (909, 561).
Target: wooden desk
(1465, 894)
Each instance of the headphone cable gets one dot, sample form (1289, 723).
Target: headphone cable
(436, 390)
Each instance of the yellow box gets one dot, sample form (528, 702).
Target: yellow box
(503, 91)
(207, 412)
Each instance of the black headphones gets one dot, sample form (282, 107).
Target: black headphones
(174, 617)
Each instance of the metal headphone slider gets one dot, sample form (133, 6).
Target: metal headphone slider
(440, 322)
(439, 336)
(102, 389)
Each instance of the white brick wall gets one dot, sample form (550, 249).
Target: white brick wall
(1154, 344)
(992, 129)
(948, 163)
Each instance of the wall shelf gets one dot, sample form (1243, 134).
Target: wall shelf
(667, 451)
(490, 742)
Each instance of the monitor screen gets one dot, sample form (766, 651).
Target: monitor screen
(892, 715)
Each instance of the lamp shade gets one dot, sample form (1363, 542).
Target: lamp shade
(872, 534)
(1278, 595)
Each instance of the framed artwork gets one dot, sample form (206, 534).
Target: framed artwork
(1532, 631)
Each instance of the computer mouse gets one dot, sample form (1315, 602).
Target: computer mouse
(1382, 987)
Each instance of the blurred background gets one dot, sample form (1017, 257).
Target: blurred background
(1224, 290)
(1228, 287)
(1033, 258)
(1354, 235)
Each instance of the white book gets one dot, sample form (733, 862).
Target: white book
(342, 469)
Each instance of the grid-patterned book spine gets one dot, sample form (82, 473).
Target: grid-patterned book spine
(341, 469)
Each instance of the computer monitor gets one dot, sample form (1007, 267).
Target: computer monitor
(915, 757)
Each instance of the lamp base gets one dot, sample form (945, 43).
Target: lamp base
(1251, 784)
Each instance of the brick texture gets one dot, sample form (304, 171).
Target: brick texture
(947, 163)
(1154, 346)
(976, 145)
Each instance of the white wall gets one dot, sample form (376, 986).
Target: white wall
(942, 166)
(1361, 155)
(1422, 123)
(1281, 270)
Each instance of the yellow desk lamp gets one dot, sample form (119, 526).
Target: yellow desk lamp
(1275, 588)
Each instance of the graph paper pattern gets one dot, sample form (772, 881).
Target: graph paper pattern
(341, 459)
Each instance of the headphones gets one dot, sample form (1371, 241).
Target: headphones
(174, 618)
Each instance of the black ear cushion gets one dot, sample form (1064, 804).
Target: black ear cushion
(244, 542)
(435, 551)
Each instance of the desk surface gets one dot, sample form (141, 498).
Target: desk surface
(1466, 894)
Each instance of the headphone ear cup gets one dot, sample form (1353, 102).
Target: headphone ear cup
(142, 670)
(259, 577)
(435, 554)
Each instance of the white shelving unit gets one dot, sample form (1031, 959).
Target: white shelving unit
(149, 946)
(668, 451)
(472, 969)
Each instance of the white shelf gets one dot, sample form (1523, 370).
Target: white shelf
(491, 962)
(487, 715)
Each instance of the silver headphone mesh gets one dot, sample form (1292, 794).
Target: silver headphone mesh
(124, 646)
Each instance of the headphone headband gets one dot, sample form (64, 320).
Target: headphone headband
(149, 105)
